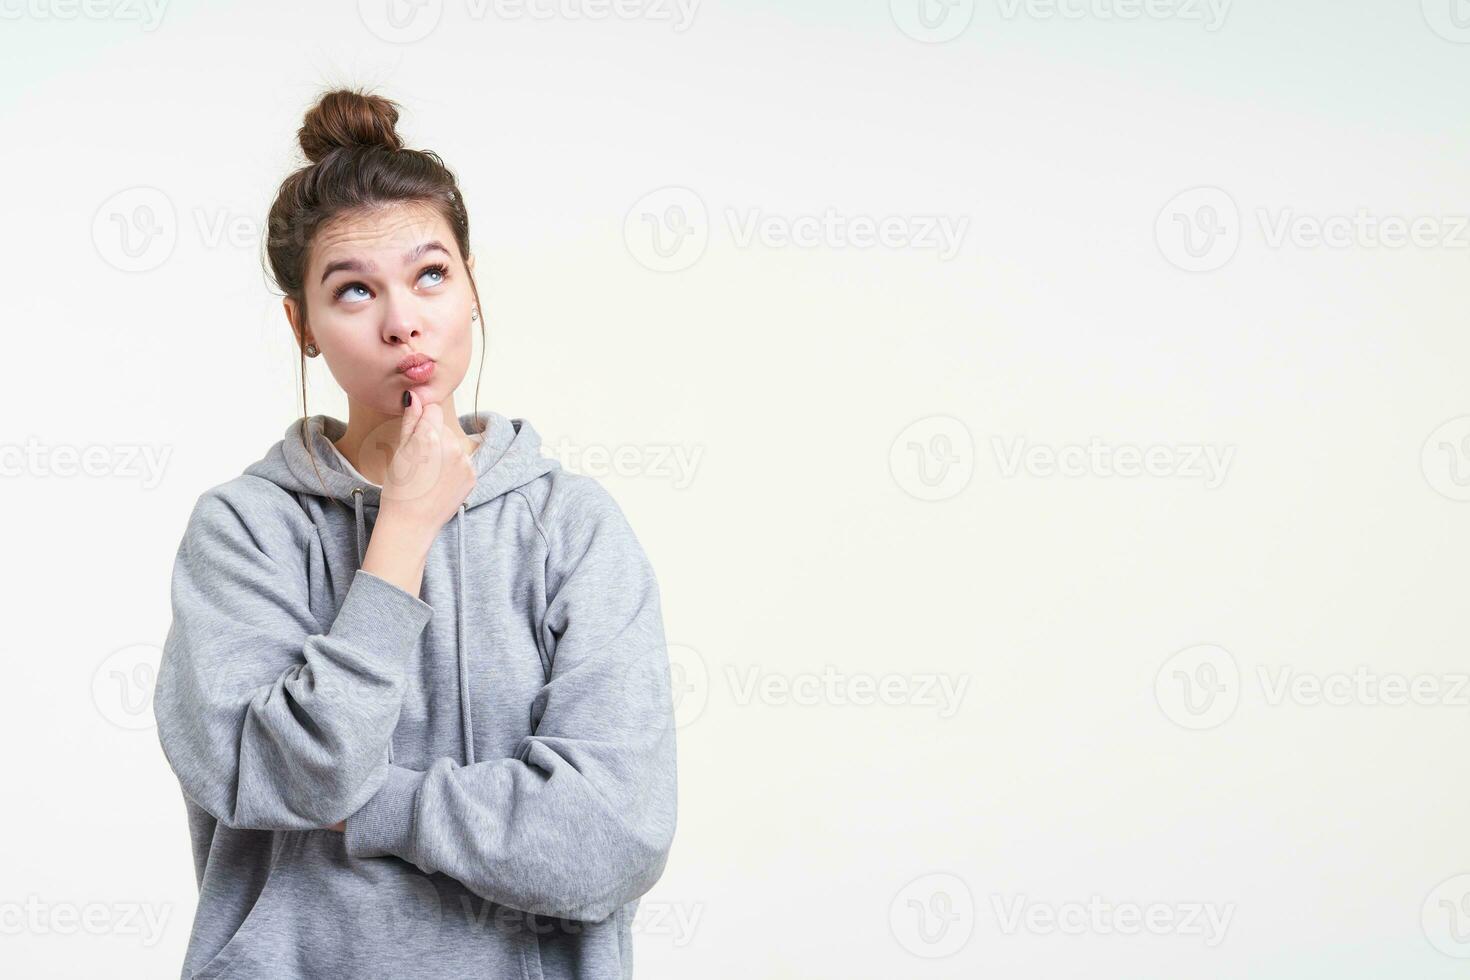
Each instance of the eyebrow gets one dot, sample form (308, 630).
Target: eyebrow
(356, 265)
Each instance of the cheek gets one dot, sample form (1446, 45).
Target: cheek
(353, 358)
(467, 338)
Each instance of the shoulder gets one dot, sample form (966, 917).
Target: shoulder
(576, 512)
(250, 511)
(563, 501)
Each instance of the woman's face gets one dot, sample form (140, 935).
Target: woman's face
(380, 287)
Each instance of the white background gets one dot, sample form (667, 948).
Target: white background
(853, 515)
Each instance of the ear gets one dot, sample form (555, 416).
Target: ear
(293, 317)
(469, 263)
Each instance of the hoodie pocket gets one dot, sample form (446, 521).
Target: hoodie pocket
(323, 915)
(257, 918)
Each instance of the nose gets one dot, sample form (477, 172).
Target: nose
(401, 322)
(397, 331)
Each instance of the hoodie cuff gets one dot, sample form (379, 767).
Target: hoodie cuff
(384, 825)
(378, 614)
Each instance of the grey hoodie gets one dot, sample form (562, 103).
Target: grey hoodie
(501, 746)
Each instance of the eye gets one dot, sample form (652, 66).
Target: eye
(438, 268)
(340, 290)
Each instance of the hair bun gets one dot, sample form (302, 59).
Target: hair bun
(346, 117)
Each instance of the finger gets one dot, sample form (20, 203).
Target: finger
(411, 416)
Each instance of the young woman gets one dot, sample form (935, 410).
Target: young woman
(415, 690)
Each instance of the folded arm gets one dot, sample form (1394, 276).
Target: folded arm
(580, 820)
(269, 723)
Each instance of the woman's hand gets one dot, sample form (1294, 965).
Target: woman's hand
(428, 478)
(340, 827)
(430, 475)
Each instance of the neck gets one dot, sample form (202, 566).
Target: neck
(371, 439)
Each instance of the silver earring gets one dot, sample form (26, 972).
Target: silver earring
(311, 350)
(475, 313)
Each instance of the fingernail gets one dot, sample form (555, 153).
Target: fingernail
(407, 399)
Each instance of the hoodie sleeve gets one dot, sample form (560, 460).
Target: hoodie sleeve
(580, 820)
(269, 723)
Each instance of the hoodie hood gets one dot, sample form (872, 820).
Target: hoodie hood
(507, 456)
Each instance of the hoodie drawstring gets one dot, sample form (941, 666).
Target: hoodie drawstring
(464, 660)
(357, 499)
(460, 637)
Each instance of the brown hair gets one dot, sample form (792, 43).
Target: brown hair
(358, 164)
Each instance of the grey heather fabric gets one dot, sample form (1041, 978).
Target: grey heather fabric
(501, 746)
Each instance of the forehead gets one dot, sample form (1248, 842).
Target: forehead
(381, 235)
